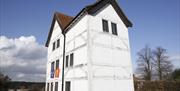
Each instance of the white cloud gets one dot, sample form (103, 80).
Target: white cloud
(175, 60)
(23, 59)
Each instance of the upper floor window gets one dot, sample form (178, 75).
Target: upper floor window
(57, 70)
(58, 43)
(52, 69)
(70, 60)
(105, 25)
(54, 45)
(67, 60)
(114, 28)
(57, 64)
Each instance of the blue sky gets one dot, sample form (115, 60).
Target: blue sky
(155, 22)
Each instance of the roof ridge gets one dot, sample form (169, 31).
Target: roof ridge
(63, 14)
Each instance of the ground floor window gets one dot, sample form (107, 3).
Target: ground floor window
(51, 86)
(47, 87)
(56, 86)
(68, 86)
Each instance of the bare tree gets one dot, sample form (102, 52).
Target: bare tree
(144, 63)
(162, 63)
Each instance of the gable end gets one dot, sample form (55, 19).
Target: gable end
(92, 9)
(62, 19)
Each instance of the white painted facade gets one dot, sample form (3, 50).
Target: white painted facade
(101, 60)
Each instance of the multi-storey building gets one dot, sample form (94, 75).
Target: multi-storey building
(94, 48)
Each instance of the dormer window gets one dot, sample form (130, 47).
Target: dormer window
(114, 28)
(105, 25)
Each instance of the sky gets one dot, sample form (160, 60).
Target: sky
(24, 26)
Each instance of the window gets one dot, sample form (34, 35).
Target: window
(105, 25)
(56, 86)
(57, 70)
(51, 86)
(71, 59)
(47, 87)
(67, 59)
(68, 86)
(114, 28)
(58, 43)
(57, 64)
(54, 43)
(52, 70)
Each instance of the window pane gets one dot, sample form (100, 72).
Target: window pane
(47, 86)
(52, 86)
(71, 59)
(57, 70)
(67, 59)
(57, 64)
(53, 46)
(52, 70)
(68, 86)
(56, 86)
(114, 28)
(58, 43)
(105, 25)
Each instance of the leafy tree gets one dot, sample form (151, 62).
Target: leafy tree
(4, 78)
(176, 74)
(162, 63)
(3, 81)
(144, 63)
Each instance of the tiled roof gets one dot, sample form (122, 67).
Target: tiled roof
(63, 19)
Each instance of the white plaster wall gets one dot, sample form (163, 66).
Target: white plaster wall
(76, 42)
(110, 54)
(55, 55)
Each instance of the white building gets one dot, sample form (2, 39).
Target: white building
(96, 51)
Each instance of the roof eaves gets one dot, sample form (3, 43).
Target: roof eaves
(50, 32)
(122, 15)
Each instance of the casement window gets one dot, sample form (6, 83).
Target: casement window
(68, 86)
(56, 86)
(51, 86)
(57, 70)
(114, 28)
(105, 25)
(58, 43)
(52, 69)
(54, 45)
(47, 89)
(57, 64)
(69, 60)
